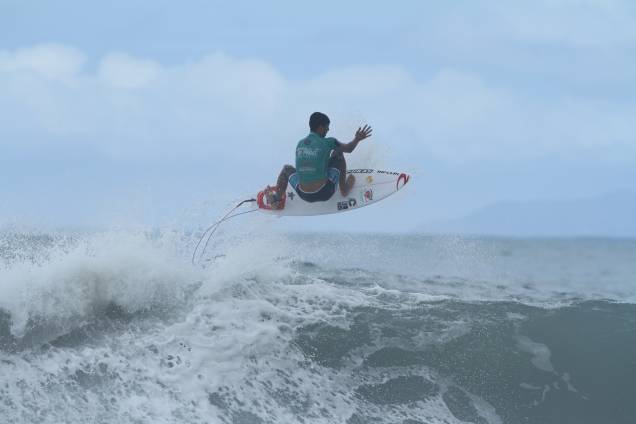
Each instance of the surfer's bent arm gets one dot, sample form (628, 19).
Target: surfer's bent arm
(361, 134)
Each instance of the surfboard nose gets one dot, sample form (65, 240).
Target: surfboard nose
(402, 180)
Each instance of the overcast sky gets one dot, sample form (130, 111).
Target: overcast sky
(148, 110)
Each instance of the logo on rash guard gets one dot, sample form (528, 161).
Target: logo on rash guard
(307, 152)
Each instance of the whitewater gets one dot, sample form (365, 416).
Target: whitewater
(120, 327)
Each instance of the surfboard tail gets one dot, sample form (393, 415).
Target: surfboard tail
(264, 199)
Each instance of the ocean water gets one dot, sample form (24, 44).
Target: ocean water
(120, 327)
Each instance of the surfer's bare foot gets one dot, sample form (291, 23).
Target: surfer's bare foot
(273, 199)
(351, 180)
(277, 205)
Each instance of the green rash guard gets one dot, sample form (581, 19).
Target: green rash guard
(312, 157)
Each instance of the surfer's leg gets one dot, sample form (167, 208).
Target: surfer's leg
(338, 161)
(274, 199)
(283, 178)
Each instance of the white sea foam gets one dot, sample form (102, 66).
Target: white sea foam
(127, 269)
(232, 346)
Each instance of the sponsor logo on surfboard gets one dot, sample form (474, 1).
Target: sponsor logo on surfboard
(351, 203)
(360, 171)
(371, 171)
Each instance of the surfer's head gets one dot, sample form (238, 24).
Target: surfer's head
(319, 123)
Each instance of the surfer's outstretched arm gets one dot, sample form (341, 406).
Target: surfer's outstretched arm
(361, 134)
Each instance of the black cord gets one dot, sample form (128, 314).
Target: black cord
(215, 226)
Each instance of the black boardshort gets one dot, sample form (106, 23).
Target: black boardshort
(321, 195)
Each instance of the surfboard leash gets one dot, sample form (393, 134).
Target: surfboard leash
(212, 228)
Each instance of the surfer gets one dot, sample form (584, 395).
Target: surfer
(320, 164)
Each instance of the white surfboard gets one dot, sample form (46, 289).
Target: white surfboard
(370, 187)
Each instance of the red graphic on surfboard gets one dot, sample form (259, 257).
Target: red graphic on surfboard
(404, 178)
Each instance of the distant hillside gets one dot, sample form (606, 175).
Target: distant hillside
(607, 215)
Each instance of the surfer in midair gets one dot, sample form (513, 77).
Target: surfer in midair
(320, 164)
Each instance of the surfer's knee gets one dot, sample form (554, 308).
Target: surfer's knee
(288, 170)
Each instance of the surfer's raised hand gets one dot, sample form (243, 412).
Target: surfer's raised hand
(362, 133)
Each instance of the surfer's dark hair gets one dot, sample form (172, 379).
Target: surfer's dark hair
(318, 119)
